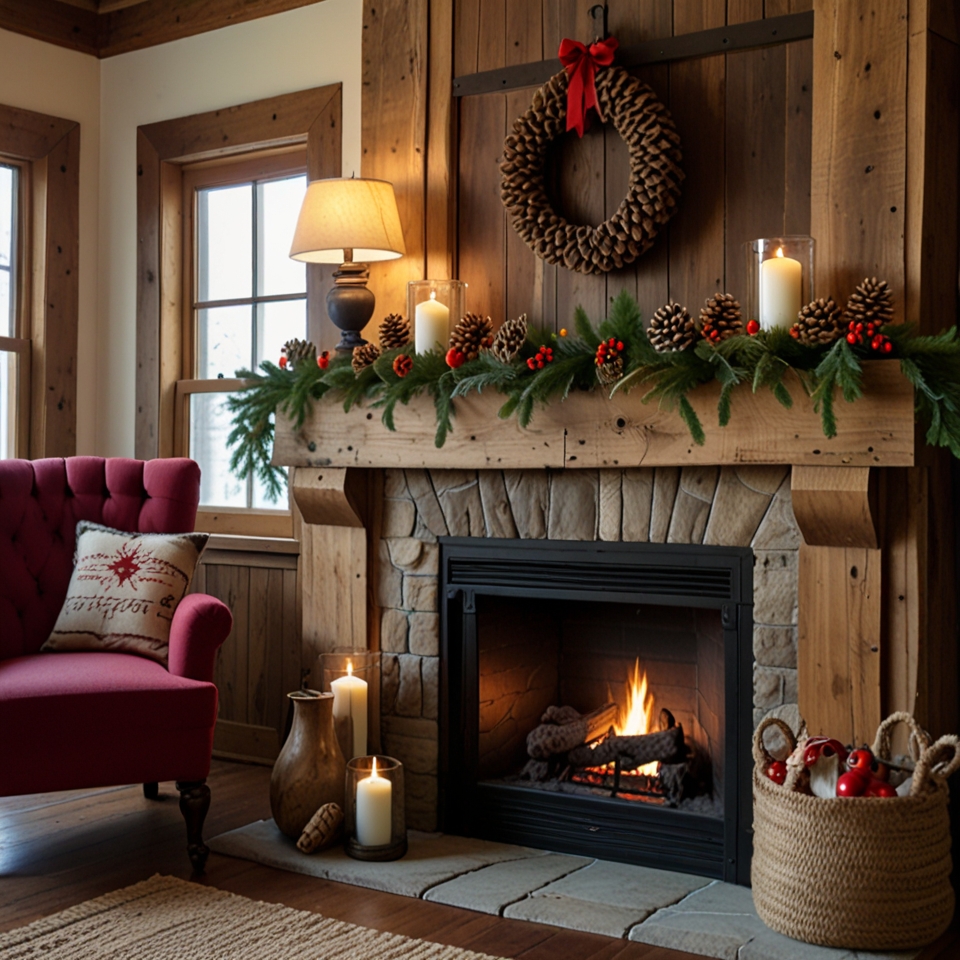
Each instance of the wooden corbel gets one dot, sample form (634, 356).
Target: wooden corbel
(331, 496)
(835, 506)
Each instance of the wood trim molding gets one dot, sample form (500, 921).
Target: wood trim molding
(310, 117)
(50, 147)
(113, 28)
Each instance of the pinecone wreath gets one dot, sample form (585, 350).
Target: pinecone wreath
(818, 323)
(394, 332)
(720, 318)
(610, 361)
(871, 302)
(363, 356)
(472, 334)
(672, 328)
(509, 339)
(297, 351)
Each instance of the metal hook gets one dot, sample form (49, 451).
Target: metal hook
(598, 11)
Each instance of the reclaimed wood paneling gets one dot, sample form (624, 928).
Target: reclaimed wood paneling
(745, 123)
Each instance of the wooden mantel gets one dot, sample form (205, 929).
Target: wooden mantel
(588, 430)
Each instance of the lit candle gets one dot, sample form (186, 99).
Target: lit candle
(374, 810)
(350, 703)
(780, 291)
(431, 324)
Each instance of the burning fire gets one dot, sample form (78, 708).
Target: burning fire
(637, 719)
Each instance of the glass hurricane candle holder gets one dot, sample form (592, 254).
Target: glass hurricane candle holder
(433, 307)
(779, 279)
(353, 677)
(375, 819)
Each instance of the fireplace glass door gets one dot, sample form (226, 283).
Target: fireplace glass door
(596, 700)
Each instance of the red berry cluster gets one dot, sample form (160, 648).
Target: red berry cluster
(860, 333)
(283, 362)
(753, 328)
(323, 361)
(455, 358)
(541, 358)
(402, 365)
(608, 351)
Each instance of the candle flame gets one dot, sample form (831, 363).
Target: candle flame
(373, 771)
(433, 294)
(779, 251)
(349, 668)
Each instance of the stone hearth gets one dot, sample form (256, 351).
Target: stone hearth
(724, 506)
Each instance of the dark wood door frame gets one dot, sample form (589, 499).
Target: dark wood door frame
(49, 150)
(310, 117)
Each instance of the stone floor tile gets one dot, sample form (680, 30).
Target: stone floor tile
(574, 914)
(769, 945)
(491, 889)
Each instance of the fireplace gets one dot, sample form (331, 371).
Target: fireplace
(554, 653)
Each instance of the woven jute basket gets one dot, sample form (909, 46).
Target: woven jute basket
(865, 873)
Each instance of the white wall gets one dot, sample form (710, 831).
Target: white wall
(297, 50)
(48, 79)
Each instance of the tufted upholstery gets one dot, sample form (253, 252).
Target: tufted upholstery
(72, 720)
(40, 504)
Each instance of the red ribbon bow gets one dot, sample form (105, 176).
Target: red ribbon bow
(581, 64)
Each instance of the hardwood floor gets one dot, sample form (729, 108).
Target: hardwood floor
(60, 849)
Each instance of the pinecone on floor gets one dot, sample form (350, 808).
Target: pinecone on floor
(472, 334)
(394, 332)
(720, 318)
(364, 356)
(672, 328)
(297, 351)
(871, 302)
(509, 339)
(819, 322)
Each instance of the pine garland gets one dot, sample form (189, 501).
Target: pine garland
(930, 363)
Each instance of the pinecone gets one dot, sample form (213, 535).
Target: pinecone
(818, 323)
(672, 328)
(509, 339)
(297, 351)
(610, 371)
(364, 356)
(394, 332)
(472, 334)
(871, 302)
(720, 318)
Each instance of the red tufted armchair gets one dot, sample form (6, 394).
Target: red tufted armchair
(75, 720)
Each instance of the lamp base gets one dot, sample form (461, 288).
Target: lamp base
(350, 304)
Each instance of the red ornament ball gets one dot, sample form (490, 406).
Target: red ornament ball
(402, 365)
(878, 788)
(323, 361)
(777, 771)
(455, 358)
(753, 327)
(851, 784)
(283, 362)
(861, 760)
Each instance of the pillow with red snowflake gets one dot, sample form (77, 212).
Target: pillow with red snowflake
(124, 590)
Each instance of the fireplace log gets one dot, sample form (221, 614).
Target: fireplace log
(665, 746)
(552, 738)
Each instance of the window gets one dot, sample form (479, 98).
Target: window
(14, 350)
(246, 298)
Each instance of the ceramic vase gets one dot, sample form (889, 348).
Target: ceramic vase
(310, 770)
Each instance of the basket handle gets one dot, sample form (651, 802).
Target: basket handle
(919, 738)
(760, 755)
(936, 764)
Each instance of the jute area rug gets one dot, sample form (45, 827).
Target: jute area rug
(168, 918)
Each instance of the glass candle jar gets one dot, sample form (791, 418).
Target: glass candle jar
(375, 819)
(433, 307)
(353, 677)
(779, 279)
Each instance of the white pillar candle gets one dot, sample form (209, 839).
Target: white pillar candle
(431, 324)
(350, 702)
(374, 810)
(780, 291)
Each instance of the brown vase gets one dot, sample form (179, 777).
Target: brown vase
(310, 770)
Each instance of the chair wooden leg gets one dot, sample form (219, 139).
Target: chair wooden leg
(151, 790)
(194, 804)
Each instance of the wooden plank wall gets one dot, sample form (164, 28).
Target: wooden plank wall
(745, 123)
(259, 663)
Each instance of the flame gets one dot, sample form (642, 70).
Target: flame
(373, 773)
(349, 668)
(637, 719)
(779, 251)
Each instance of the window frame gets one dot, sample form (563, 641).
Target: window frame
(308, 121)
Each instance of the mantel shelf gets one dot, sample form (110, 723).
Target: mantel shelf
(588, 431)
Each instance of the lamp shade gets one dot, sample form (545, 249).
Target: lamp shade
(341, 214)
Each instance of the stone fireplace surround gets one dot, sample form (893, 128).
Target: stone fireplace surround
(724, 506)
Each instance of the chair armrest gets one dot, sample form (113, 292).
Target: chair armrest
(200, 624)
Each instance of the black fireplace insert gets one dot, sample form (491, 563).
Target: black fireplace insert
(629, 647)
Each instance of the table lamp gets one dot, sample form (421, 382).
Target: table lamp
(351, 222)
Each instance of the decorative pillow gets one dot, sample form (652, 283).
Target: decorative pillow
(124, 590)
